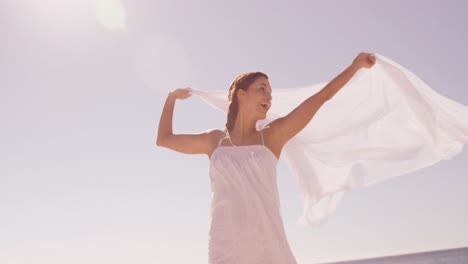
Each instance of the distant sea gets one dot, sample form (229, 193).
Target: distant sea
(446, 256)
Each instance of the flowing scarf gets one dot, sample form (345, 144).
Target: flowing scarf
(385, 122)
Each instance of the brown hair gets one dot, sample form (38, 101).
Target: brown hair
(243, 81)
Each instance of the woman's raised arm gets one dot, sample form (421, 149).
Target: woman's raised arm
(291, 124)
(188, 144)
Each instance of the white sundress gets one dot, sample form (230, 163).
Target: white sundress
(246, 224)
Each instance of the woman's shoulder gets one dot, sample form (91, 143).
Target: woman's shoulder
(215, 131)
(215, 134)
(273, 138)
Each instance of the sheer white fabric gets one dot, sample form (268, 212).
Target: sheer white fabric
(384, 123)
(246, 224)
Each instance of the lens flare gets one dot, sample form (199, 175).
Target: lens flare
(110, 14)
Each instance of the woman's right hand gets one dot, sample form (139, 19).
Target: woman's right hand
(181, 93)
(366, 60)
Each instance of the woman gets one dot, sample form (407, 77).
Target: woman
(246, 224)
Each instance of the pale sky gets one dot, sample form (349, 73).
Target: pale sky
(83, 84)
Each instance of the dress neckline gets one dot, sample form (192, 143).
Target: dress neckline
(244, 146)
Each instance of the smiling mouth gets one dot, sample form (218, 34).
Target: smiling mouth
(265, 106)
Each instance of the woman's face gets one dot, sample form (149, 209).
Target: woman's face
(257, 99)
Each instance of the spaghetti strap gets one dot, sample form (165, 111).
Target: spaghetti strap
(261, 133)
(223, 137)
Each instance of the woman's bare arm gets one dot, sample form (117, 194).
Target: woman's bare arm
(184, 143)
(288, 126)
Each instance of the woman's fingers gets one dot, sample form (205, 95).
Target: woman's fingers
(182, 93)
(372, 59)
(364, 59)
(185, 93)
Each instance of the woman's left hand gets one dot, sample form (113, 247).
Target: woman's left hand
(366, 60)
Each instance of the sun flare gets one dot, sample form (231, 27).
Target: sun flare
(111, 14)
